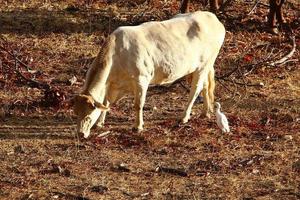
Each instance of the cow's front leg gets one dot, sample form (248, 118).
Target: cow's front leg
(113, 96)
(196, 87)
(101, 119)
(139, 102)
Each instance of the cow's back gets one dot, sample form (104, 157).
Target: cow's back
(168, 50)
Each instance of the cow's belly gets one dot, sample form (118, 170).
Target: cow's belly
(167, 73)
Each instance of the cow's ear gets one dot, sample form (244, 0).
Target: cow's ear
(75, 99)
(71, 102)
(74, 102)
(78, 97)
(101, 106)
(82, 98)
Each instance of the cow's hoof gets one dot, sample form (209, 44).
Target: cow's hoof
(137, 130)
(80, 135)
(205, 115)
(81, 138)
(282, 21)
(100, 125)
(274, 30)
(185, 120)
(199, 100)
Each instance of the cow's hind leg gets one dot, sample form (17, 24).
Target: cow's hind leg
(196, 87)
(206, 100)
(208, 93)
(140, 92)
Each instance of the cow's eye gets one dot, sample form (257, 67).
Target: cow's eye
(91, 106)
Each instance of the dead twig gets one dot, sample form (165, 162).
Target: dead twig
(220, 81)
(187, 89)
(243, 79)
(237, 67)
(104, 134)
(17, 59)
(265, 5)
(254, 7)
(228, 74)
(291, 60)
(30, 82)
(33, 83)
(243, 84)
(265, 61)
(252, 66)
(178, 172)
(286, 57)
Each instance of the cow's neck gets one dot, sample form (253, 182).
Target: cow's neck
(96, 79)
(97, 76)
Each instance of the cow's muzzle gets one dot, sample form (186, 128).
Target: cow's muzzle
(84, 127)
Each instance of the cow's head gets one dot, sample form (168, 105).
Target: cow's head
(87, 111)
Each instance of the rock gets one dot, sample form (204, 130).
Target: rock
(99, 189)
(19, 149)
(288, 137)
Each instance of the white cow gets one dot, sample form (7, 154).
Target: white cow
(152, 53)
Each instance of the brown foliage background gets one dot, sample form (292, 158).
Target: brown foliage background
(46, 49)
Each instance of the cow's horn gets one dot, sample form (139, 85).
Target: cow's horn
(101, 106)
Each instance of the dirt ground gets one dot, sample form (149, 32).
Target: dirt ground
(41, 156)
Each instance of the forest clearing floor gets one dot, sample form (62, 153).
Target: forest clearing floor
(41, 156)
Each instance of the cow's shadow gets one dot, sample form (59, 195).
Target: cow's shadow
(42, 22)
(48, 127)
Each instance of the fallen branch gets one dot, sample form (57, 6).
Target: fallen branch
(265, 5)
(228, 74)
(244, 84)
(104, 134)
(225, 86)
(237, 67)
(266, 61)
(182, 85)
(17, 59)
(33, 83)
(243, 79)
(30, 82)
(254, 7)
(286, 57)
(253, 66)
(291, 60)
(178, 172)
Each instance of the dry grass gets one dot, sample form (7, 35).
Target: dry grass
(42, 158)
